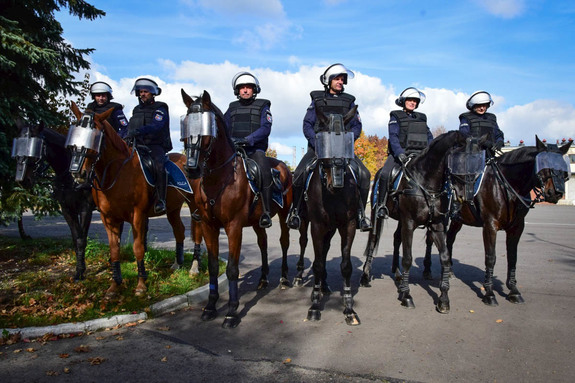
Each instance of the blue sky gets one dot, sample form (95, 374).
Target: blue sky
(518, 50)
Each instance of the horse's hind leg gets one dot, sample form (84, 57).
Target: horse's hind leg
(396, 245)
(489, 237)
(303, 240)
(351, 317)
(403, 288)
(179, 231)
(263, 245)
(438, 235)
(427, 259)
(512, 240)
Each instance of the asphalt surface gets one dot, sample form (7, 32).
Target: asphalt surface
(532, 342)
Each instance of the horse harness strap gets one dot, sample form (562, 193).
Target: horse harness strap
(96, 180)
(527, 202)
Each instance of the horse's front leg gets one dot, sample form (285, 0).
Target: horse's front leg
(427, 259)
(318, 267)
(234, 232)
(196, 230)
(179, 231)
(347, 236)
(489, 240)
(113, 229)
(371, 248)
(284, 243)
(211, 236)
(437, 232)
(78, 240)
(396, 245)
(139, 229)
(263, 245)
(406, 262)
(512, 241)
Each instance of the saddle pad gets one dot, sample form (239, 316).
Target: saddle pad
(277, 193)
(176, 177)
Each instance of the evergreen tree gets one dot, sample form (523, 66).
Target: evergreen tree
(37, 68)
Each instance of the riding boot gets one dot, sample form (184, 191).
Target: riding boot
(160, 205)
(455, 212)
(266, 219)
(364, 224)
(293, 220)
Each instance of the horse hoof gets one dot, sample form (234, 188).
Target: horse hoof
(407, 302)
(516, 298)
(231, 321)
(139, 292)
(263, 284)
(284, 284)
(175, 266)
(427, 276)
(313, 315)
(325, 289)
(194, 270)
(364, 282)
(443, 308)
(352, 320)
(298, 282)
(208, 315)
(490, 300)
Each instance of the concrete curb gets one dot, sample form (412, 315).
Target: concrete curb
(177, 302)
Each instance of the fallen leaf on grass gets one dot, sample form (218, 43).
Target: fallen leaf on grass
(31, 349)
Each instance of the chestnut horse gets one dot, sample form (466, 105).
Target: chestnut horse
(333, 200)
(37, 144)
(122, 194)
(503, 201)
(225, 200)
(421, 200)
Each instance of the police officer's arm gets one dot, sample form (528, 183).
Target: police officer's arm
(157, 123)
(228, 121)
(464, 126)
(429, 136)
(121, 122)
(263, 132)
(393, 139)
(355, 124)
(308, 125)
(498, 136)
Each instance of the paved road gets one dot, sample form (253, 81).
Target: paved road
(474, 343)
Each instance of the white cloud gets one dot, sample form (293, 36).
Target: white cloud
(289, 95)
(506, 9)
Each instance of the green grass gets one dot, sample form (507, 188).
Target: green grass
(37, 287)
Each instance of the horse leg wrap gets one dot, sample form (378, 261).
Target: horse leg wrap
(404, 285)
(444, 284)
(197, 252)
(347, 297)
(117, 272)
(142, 270)
(180, 253)
(488, 284)
(80, 265)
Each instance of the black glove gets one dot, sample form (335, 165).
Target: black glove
(402, 158)
(488, 144)
(240, 141)
(133, 133)
(498, 145)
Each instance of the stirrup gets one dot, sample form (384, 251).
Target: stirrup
(160, 207)
(364, 224)
(293, 220)
(265, 220)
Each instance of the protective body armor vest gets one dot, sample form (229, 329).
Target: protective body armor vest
(412, 131)
(331, 105)
(480, 125)
(246, 118)
(101, 109)
(143, 115)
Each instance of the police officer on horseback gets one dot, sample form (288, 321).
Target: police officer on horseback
(102, 95)
(150, 126)
(331, 100)
(408, 134)
(249, 123)
(477, 122)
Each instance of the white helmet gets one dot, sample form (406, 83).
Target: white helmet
(334, 71)
(410, 92)
(147, 84)
(478, 98)
(243, 78)
(101, 87)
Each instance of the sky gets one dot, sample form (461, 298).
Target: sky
(520, 51)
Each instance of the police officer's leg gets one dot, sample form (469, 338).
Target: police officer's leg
(298, 186)
(384, 181)
(259, 157)
(364, 181)
(161, 182)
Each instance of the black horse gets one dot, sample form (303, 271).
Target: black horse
(333, 200)
(504, 200)
(37, 146)
(420, 200)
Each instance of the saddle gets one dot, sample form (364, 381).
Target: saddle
(253, 174)
(176, 177)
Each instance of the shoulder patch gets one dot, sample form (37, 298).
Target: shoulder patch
(269, 117)
(159, 116)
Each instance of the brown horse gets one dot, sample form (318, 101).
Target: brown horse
(225, 199)
(122, 194)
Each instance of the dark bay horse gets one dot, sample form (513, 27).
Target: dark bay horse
(225, 200)
(121, 192)
(333, 200)
(421, 200)
(503, 201)
(36, 146)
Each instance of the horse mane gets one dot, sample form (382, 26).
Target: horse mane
(518, 156)
(53, 137)
(450, 137)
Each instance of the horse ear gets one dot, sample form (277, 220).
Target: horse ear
(565, 148)
(540, 145)
(76, 110)
(104, 116)
(206, 100)
(350, 115)
(187, 99)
